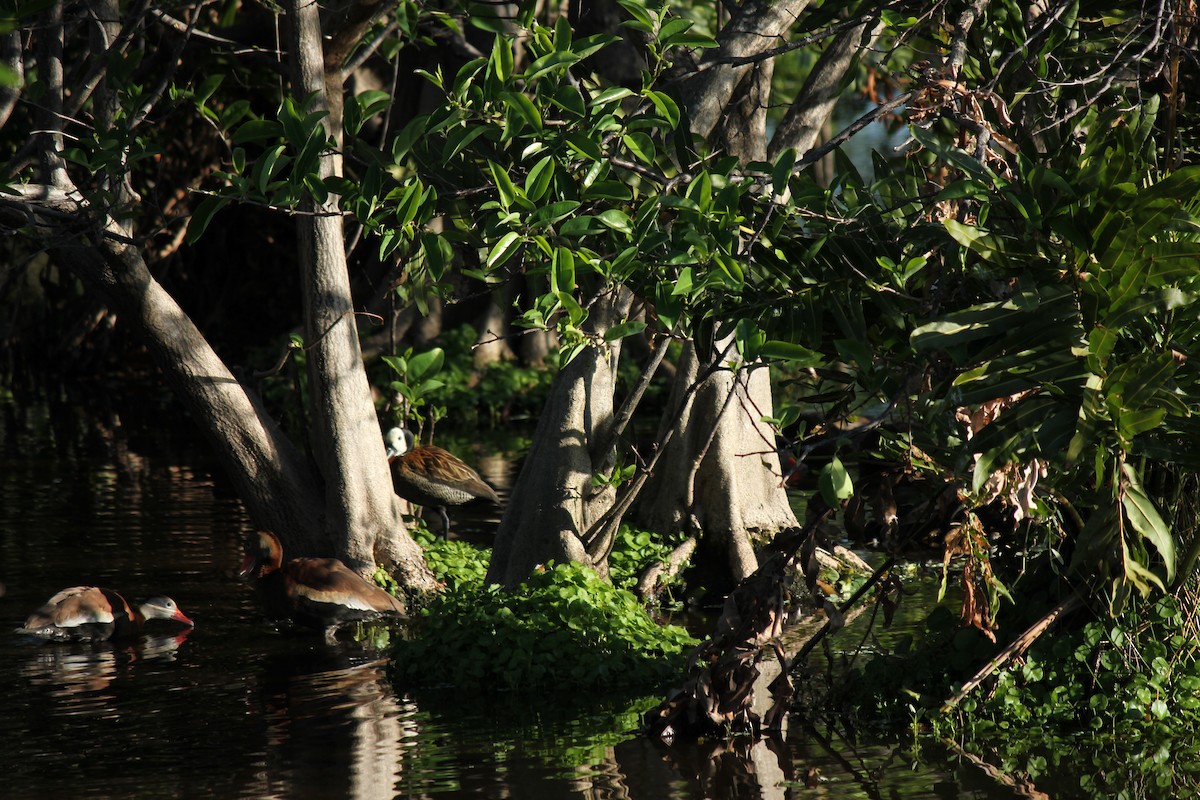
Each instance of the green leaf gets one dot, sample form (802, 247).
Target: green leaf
(586, 45)
(617, 220)
(501, 60)
(203, 215)
(788, 351)
(642, 147)
(666, 107)
(781, 173)
(674, 26)
(503, 250)
(610, 95)
(834, 483)
(628, 327)
(425, 365)
(523, 106)
(1144, 518)
(257, 130)
(437, 253)
(557, 61)
(974, 239)
(538, 181)
(575, 312)
(504, 185)
(548, 215)
(562, 271)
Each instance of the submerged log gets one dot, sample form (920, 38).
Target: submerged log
(718, 694)
(738, 680)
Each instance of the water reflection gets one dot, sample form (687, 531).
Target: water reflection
(334, 728)
(235, 709)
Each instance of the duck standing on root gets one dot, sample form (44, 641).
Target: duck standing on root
(429, 476)
(93, 614)
(319, 593)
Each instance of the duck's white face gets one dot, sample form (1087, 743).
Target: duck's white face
(163, 608)
(397, 442)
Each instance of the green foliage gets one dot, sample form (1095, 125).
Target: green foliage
(564, 628)
(634, 551)
(1128, 688)
(460, 565)
(416, 381)
(499, 392)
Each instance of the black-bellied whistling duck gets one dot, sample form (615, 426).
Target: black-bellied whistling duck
(93, 614)
(430, 476)
(320, 593)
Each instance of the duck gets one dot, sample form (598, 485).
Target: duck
(430, 476)
(319, 593)
(96, 614)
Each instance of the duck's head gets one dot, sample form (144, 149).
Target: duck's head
(262, 554)
(399, 441)
(162, 607)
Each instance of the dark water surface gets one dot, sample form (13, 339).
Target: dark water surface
(236, 709)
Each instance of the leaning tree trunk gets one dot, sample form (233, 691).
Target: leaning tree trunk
(809, 112)
(363, 512)
(281, 491)
(553, 502)
(269, 473)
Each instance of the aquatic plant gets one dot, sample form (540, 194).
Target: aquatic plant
(564, 627)
(1128, 688)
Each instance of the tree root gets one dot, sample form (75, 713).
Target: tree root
(660, 574)
(717, 697)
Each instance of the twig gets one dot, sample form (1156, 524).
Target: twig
(816, 154)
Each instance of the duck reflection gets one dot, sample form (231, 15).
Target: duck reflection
(335, 728)
(79, 675)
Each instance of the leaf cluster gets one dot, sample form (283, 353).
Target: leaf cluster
(565, 627)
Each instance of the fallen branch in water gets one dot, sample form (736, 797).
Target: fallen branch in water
(1018, 646)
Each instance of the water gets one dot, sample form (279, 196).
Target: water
(236, 709)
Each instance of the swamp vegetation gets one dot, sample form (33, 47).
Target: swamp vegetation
(635, 225)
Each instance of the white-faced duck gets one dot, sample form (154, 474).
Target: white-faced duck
(430, 476)
(93, 614)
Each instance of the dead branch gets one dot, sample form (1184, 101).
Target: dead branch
(1018, 646)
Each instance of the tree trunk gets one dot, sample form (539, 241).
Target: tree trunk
(709, 93)
(810, 111)
(553, 501)
(719, 478)
(363, 512)
(359, 513)
(269, 473)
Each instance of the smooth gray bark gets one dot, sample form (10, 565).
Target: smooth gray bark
(809, 112)
(719, 478)
(269, 473)
(756, 27)
(553, 502)
(363, 512)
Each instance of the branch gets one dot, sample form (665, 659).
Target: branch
(607, 451)
(832, 30)
(359, 19)
(958, 46)
(1018, 646)
(816, 154)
